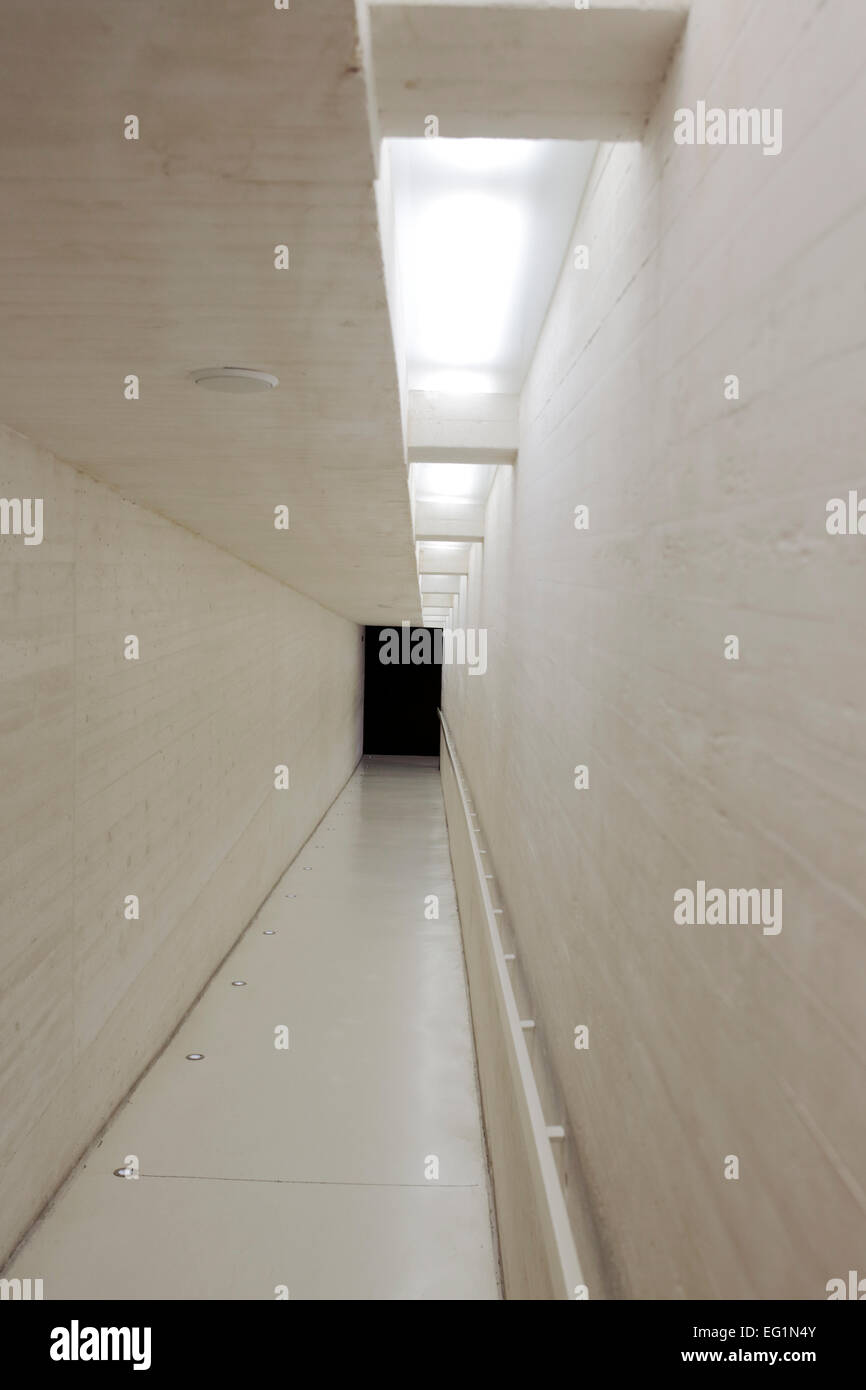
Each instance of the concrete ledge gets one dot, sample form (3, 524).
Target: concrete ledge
(539, 1260)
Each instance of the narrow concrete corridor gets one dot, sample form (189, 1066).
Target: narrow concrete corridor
(305, 1167)
(432, 657)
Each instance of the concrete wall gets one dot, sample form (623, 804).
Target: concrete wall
(152, 777)
(707, 518)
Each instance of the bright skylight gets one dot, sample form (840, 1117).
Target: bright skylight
(481, 231)
(467, 482)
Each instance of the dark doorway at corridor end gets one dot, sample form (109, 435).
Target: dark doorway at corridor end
(401, 694)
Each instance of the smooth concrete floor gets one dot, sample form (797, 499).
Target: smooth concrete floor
(305, 1168)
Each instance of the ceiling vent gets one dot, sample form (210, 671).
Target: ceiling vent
(237, 380)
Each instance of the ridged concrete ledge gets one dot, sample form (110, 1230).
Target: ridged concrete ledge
(539, 1258)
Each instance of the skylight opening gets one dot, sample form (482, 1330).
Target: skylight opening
(481, 231)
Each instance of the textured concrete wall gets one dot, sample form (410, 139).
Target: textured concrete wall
(152, 777)
(606, 648)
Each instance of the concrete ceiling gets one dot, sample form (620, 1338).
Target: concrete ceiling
(156, 257)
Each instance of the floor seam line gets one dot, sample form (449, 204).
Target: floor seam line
(307, 1182)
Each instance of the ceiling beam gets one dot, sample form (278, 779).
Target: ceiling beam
(522, 71)
(449, 519)
(432, 560)
(478, 428)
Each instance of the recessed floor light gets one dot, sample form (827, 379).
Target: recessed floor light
(235, 380)
(195, 1056)
(238, 982)
(269, 933)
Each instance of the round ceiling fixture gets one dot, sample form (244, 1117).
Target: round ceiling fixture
(236, 380)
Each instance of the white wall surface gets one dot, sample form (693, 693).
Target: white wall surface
(707, 518)
(152, 777)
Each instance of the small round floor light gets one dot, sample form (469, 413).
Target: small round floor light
(195, 1056)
